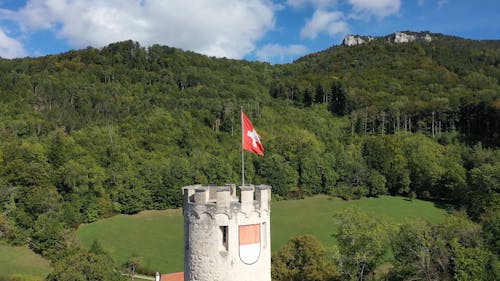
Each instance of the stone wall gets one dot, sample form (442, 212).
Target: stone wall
(209, 211)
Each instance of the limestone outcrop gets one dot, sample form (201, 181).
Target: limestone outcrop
(352, 40)
(397, 38)
(401, 37)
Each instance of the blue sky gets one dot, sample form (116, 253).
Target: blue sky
(277, 31)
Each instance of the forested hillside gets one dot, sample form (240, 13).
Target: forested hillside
(90, 133)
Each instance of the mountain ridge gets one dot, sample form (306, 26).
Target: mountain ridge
(395, 37)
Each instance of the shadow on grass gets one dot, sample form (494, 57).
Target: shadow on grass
(448, 205)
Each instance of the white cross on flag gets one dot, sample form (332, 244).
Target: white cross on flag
(251, 140)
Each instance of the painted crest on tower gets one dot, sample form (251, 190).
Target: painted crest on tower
(249, 243)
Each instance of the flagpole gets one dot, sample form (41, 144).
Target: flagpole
(242, 152)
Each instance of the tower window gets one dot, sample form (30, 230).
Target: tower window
(224, 234)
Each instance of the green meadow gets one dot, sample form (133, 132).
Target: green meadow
(22, 264)
(316, 215)
(157, 236)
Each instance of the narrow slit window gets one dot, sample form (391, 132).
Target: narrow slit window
(223, 230)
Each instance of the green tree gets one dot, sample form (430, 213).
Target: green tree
(363, 241)
(453, 249)
(491, 225)
(279, 174)
(338, 104)
(5, 227)
(419, 254)
(28, 167)
(484, 184)
(60, 148)
(302, 258)
(352, 169)
(376, 184)
(384, 154)
(311, 174)
(82, 266)
(48, 237)
(426, 164)
(33, 201)
(474, 263)
(130, 197)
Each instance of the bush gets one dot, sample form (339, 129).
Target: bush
(412, 196)
(349, 192)
(302, 258)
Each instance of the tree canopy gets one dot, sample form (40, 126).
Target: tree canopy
(95, 132)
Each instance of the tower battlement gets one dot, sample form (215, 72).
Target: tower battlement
(226, 200)
(227, 233)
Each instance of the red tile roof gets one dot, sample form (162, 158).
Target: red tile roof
(177, 276)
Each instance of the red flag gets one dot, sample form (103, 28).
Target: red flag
(251, 140)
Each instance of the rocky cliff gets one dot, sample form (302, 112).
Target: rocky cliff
(398, 37)
(351, 40)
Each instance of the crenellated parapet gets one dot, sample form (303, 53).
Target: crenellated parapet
(227, 199)
(227, 233)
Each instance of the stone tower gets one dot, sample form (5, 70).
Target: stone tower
(227, 237)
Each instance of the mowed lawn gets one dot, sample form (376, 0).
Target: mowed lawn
(316, 215)
(157, 236)
(23, 263)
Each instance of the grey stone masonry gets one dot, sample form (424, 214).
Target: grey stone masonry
(227, 233)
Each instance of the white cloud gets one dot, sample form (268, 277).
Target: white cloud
(9, 47)
(280, 53)
(227, 28)
(378, 8)
(315, 3)
(442, 3)
(323, 21)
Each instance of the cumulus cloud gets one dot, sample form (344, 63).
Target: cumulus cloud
(377, 8)
(279, 53)
(328, 19)
(223, 28)
(9, 47)
(315, 3)
(323, 21)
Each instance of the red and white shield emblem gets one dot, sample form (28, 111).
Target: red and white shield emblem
(249, 243)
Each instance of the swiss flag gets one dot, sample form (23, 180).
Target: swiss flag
(251, 140)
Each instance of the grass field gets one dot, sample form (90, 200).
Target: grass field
(22, 263)
(316, 215)
(157, 236)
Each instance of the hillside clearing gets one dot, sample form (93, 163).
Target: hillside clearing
(22, 263)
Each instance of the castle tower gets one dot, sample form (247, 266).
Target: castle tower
(227, 237)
